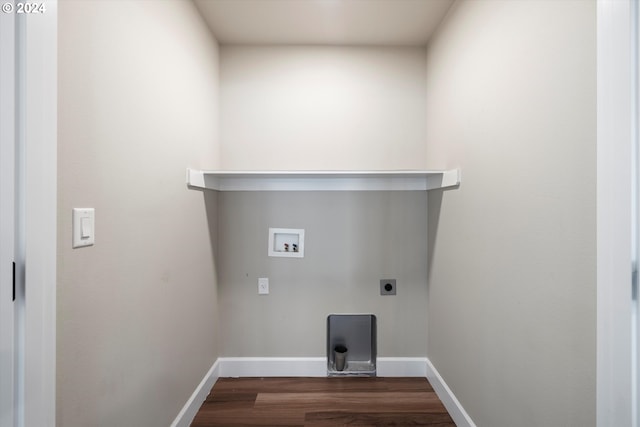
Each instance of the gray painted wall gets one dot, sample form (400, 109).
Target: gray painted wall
(352, 239)
(136, 317)
(512, 278)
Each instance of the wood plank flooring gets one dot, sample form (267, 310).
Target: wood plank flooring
(315, 402)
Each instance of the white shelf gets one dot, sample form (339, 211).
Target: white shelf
(401, 180)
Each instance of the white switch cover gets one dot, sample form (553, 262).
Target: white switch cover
(83, 227)
(263, 285)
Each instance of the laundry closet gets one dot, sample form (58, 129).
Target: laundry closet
(258, 166)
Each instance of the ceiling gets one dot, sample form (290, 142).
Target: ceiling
(323, 22)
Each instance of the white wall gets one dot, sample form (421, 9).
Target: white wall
(322, 107)
(137, 325)
(512, 277)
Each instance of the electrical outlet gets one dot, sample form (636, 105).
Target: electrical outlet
(387, 286)
(263, 286)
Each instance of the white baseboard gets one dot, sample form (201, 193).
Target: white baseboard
(273, 366)
(455, 409)
(317, 367)
(401, 366)
(190, 409)
(313, 366)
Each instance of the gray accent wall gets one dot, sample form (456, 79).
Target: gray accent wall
(352, 239)
(512, 253)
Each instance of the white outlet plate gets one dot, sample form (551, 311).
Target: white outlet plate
(263, 286)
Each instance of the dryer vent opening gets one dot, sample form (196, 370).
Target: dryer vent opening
(351, 344)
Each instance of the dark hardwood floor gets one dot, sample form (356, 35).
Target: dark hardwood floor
(350, 401)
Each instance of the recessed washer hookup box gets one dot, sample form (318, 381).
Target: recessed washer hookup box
(351, 345)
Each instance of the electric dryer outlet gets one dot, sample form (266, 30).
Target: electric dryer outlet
(387, 286)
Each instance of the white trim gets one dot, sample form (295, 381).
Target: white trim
(273, 366)
(401, 366)
(400, 180)
(614, 91)
(7, 218)
(190, 409)
(41, 80)
(455, 409)
(313, 366)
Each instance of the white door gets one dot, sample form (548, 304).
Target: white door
(7, 220)
(635, 209)
(28, 153)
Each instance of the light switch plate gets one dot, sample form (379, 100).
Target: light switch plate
(83, 227)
